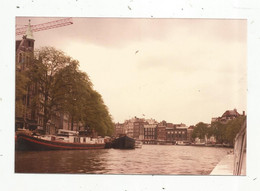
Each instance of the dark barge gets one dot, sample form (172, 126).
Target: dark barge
(123, 142)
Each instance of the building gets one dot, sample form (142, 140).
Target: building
(161, 132)
(150, 133)
(170, 138)
(176, 133)
(129, 127)
(119, 129)
(138, 130)
(189, 133)
(227, 116)
(134, 128)
(25, 113)
(181, 134)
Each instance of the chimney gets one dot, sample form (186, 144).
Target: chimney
(244, 113)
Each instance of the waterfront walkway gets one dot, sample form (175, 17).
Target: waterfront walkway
(225, 166)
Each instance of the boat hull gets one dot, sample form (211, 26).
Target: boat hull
(124, 142)
(27, 142)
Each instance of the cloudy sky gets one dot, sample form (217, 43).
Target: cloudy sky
(178, 70)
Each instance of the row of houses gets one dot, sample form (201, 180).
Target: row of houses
(151, 131)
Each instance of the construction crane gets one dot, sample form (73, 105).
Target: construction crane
(45, 26)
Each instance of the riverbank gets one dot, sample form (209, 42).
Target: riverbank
(225, 166)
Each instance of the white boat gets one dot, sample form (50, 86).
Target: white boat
(138, 144)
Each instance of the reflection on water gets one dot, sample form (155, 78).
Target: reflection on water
(151, 159)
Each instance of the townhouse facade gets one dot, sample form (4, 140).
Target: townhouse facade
(151, 132)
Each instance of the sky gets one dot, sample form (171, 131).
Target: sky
(178, 70)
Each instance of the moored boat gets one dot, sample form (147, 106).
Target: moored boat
(64, 140)
(183, 143)
(198, 144)
(138, 144)
(123, 142)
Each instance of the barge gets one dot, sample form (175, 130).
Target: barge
(64, 140)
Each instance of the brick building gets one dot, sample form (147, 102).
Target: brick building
(29, 114)
(25, 113)
(176, 133)
(119, 129)
(161, 131)
(150, 132)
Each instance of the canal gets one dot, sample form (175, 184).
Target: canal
(150, 159)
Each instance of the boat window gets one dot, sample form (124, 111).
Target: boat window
(76, 139)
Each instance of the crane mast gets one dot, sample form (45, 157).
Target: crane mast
(46, 26)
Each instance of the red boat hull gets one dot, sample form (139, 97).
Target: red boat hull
(27, 142)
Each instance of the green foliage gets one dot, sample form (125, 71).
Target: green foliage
(200, 130)
(96, 114)
(219, 131)
(226, 133)
(233, 127)
(47, 63)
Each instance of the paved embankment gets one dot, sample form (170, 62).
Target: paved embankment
(225, 166)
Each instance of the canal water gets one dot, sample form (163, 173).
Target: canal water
(150, 159)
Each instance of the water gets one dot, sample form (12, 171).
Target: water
(150, 159)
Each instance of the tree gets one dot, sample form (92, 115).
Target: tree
(72, 87)
(200, 130)
(232, 128)
(66, 89)
(218, 130)
(96, 114)
(226, 132)
(48, 62)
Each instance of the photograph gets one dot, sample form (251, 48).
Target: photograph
(130, 96)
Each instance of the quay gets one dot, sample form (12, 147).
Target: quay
(226, 166)
(234, 163)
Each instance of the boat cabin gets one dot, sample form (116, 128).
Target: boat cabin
(72, 137)
(67, 133)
